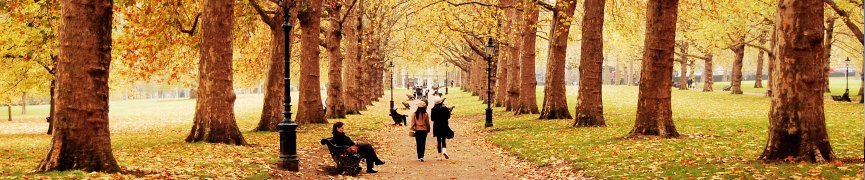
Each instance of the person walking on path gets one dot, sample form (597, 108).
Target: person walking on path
(365, 150)
(420, 126)
(440, 115)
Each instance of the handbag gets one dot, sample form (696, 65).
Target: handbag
(411, 133)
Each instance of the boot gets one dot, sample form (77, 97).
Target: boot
(445, 153)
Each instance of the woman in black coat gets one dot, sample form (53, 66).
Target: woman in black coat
(440, 115)
(365, 150)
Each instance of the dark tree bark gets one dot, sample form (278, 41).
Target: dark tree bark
(590, 107)
(555, 104)
(514, 62)
(214, 111)
(528, 103)
(758, 82)
(333, 36)
(81, 138)
(52, 104)
(797, 125)
(654, 114)
(683, 67)
(772, 56)
(503, 71)
(736, 79)
(352, 63)
(274, 96)
(708, 77)
(310, 108)
(827, 45)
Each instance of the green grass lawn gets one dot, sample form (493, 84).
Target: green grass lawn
(147, 135)
(723, 135)
(836, 85)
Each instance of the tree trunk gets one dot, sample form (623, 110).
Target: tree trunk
(590, 107)
(771, 62)
(708, 76)
(51, 108)
(528, 103)
(758, 81)
(504, 59)
(827, 44)
(9, 110)
(352, 64)
(81, 138)
(23, 103)
(736, 79)
(214, 111)
(555, 104)
(310, 109)
(514, 62)
(654, 114)
(274, 96)
(683, 67)
(797, 125)
(333, 36)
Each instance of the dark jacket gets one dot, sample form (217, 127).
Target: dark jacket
(440, 115)
(340, 139)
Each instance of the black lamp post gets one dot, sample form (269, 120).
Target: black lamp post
(490, 50)
(287, 128)
(846, 95)
(390, 65)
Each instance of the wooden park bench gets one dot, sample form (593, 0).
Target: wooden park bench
(845, 98)
(346, 162)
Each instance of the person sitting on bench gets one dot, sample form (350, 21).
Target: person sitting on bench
(365, 150)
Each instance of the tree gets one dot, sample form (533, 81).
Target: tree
(654, 113)
(81, 138)
(528, 101)
(827, 45)
(514, 55)
(353, 49)
(555, 106)
(214, 110)
(310, 109)
(333, 38)
(739, 52)
(797, 125)
(274, 95)
(758, 82)
(590, 106)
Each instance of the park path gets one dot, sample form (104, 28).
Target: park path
(471, 157)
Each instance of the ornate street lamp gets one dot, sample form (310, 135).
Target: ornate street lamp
(490, 52)
(390, 65)
(287, 128)
(846, 95)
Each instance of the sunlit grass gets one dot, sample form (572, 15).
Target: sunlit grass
(722, 137)
(147, 135)
(836, 85)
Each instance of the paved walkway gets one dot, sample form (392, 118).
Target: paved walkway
(471, 157)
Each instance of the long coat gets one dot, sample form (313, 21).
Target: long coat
(440, 116)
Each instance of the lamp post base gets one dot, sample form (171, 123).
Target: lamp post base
(489, 120)
(288, 163)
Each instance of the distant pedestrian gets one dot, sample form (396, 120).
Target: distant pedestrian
(690, 83)
(440, 116)
(420, 126)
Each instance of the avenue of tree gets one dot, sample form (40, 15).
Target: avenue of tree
(78, 47)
